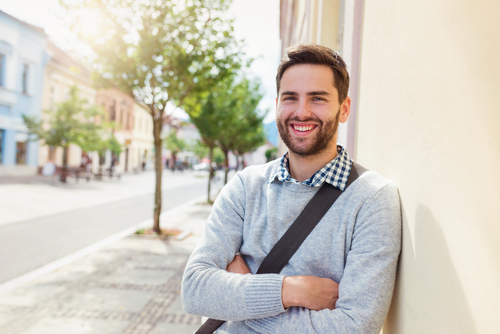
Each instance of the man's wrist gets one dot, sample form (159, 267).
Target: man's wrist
(289, 296)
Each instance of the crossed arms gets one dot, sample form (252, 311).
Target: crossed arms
(311, 292)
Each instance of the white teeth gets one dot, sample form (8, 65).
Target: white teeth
(302, 128)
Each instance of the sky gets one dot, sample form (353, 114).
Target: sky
(255, 21)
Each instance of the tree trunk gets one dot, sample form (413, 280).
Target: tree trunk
(211, 171)
(237, 162)
(226, 165)
(64, 171)
(157, 125)
(174, 161)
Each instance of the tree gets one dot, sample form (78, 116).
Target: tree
(72, 122)
(200, 150)
(238, 123)
(271, 153)
(159, 52)
(227, 117)
(175, 145)
(100, 141)
(204, 117)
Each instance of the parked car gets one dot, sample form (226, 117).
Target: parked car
(202, 166)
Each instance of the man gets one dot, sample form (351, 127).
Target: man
(342, 277)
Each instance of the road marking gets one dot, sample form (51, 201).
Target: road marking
(57, 264)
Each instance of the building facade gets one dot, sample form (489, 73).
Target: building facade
(22, 63)
(424, 89)
(142, 145)
(61, 72)
(119, 109)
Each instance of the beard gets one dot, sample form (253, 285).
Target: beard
(305, 147)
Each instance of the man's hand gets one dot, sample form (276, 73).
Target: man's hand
(314, 293)
(238, 266)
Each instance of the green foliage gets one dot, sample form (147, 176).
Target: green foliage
(72, 122)
(174, 143)
(200, 150)
(228, 116)
(271, 153)
(218, 157)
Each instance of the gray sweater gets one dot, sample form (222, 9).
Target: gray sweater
(357, 244)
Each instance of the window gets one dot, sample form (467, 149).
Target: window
(25, 78)
(2, 69)
(112, 112)
(21, 147)
(21, 153)
(1, 145)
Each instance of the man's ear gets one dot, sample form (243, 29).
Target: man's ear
(345, 110)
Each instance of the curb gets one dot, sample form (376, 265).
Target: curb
(57, 264)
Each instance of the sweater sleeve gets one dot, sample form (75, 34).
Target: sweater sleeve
(207, 288)
(365, 290)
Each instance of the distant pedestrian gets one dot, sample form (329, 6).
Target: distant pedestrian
(48, 169)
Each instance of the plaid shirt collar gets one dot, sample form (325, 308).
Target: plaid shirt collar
(335, 172)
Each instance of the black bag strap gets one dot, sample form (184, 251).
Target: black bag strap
(290, 242)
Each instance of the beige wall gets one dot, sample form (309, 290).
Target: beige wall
(428, 118)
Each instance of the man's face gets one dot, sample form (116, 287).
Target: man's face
(308, 111)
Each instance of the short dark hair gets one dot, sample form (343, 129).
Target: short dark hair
(314, 54)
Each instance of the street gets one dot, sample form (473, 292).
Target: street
(62, 220)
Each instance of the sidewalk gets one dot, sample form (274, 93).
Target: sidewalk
(131, 286)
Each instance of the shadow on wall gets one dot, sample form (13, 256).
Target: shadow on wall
(428, 297)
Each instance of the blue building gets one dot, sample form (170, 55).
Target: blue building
(22, 63)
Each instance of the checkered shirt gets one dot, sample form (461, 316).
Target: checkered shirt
(335, 172)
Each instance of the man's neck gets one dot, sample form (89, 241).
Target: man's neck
(302, 168)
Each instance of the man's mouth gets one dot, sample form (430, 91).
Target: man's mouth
(303, 128)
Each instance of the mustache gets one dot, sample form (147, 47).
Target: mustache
(308, 119)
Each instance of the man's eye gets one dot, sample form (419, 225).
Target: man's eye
(318, 99)
(290, 98)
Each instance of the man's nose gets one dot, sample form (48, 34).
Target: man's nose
(303, 110)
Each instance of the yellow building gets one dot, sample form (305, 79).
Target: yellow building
(62, 72)
(142, 144)
(425, 82)
(119, 109)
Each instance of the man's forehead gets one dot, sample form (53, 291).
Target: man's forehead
(307, 78)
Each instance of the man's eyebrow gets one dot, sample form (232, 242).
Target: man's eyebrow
(321, 92)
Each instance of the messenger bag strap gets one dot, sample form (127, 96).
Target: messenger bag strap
(290, 242)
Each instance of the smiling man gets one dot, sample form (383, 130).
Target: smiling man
(342, 277)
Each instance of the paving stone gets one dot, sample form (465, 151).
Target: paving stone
(100, 258)
(169, 260)
(29, 295)
(70, 273)
(110, 300)
(5, 318)
(130, 275)
(163, 328)
(140, 243)
(76, 326)
(176, 306)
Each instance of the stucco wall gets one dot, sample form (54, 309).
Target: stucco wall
(428, 118)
